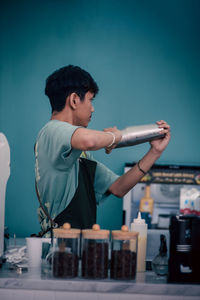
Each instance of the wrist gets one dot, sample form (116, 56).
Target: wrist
(141, 170)
(155, 152)
(118, 136)
(113, 139)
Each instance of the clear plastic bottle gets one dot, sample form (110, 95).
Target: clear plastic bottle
(160, 261)
(146, 203)
(140, 226)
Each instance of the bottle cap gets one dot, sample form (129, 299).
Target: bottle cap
(139, 220)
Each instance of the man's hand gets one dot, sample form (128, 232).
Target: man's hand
(159, 145)
(118, 137)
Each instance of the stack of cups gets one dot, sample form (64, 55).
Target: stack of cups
(35, 250)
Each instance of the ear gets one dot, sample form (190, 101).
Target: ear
(73, 100)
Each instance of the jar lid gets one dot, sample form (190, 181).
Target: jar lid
(95, 233)
(66, 232)
(124, 234)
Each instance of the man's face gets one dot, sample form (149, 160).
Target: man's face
(84, 110)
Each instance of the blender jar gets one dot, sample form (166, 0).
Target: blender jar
(66, 245)
(95, 252)
(123, 254)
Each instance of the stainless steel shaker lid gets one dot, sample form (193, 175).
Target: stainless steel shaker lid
(134, 135)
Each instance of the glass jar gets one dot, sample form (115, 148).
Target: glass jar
(95, 253)
(123, 254)
(160, 261)
(66, 245)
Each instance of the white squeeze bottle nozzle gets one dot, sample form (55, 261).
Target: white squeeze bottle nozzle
(140, 226)
(139, 220)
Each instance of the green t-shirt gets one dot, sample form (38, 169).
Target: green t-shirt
(57, 167)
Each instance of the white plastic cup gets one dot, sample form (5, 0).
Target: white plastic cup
(34, 251)
(37, 255)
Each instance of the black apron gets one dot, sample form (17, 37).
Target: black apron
(81, 212)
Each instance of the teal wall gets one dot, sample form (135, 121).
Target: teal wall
(145, 56)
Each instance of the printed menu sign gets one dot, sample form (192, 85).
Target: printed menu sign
(173, 174)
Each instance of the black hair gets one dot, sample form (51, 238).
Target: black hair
(65, 81)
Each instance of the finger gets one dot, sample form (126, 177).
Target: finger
(165, 128)
(108, 129)
(163, 124)
(108, 150)
(161, 121)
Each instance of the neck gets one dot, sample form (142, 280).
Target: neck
(62, 116)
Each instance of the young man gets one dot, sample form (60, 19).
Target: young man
(69, 181)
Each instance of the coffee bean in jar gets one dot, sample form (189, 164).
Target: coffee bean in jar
(123, 254)
(95, 253)
(65, 264)
(65, 252)
(123, 264)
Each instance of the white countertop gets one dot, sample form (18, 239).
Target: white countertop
(34, 286)
(146, 286)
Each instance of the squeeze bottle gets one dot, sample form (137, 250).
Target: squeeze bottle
(146, 203)
(140, 226)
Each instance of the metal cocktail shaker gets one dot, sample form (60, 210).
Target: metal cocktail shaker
(135, 135)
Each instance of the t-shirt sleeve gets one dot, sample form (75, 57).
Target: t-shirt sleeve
(104, 178)
(56, 140)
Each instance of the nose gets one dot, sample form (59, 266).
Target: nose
(92, 109)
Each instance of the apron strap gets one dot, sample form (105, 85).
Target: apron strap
(53, 223)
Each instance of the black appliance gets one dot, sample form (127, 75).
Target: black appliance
(184, 258)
